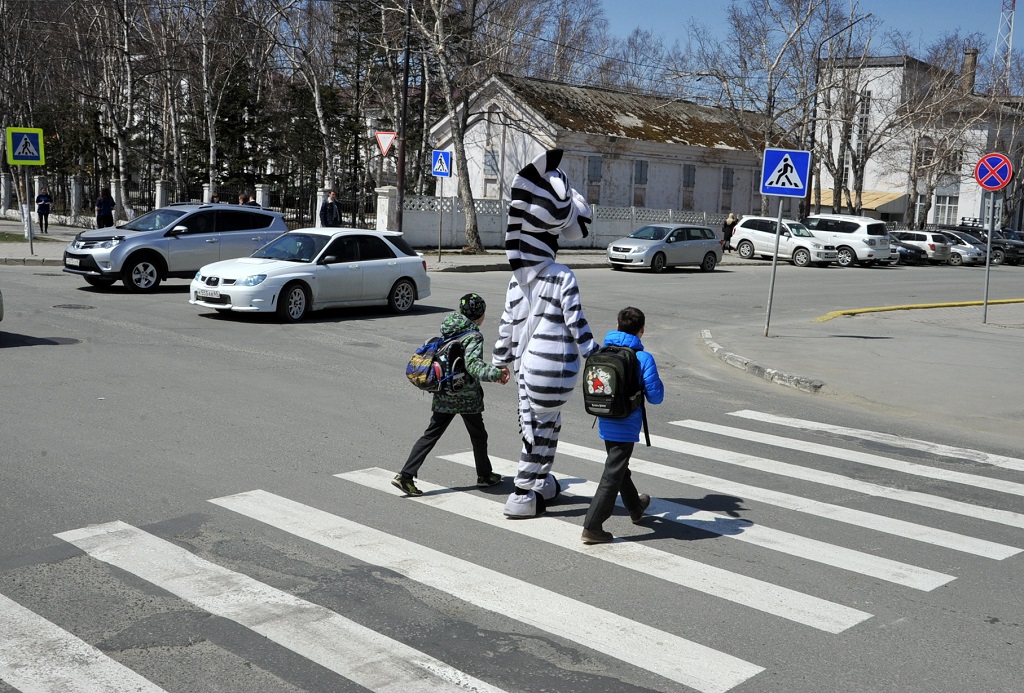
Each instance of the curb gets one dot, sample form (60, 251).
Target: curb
(772, 375)
(34, 261)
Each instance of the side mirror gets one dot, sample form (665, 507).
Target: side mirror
(177, 231)
(329, 259)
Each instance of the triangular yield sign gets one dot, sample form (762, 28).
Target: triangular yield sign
(384, 140)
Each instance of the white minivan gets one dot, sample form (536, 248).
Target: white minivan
(755, 236)
(860, 240)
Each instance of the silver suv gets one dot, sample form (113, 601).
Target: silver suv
(172, 241)
(860, 240)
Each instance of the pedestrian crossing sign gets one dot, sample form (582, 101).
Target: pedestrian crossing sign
(785, 172)
(441, 163)
(25, 147)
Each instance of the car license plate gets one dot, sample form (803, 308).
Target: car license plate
(207, 293)
(72, 262)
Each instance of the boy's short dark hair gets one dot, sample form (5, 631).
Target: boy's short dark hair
(631, 320)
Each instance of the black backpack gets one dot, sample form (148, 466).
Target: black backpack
(613, 387)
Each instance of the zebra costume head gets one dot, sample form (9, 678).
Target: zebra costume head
(544, 208)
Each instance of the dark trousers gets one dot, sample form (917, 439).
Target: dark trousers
(435, 429)
(44, 221)
(615, 481)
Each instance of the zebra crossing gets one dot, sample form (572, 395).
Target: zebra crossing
(37, 655)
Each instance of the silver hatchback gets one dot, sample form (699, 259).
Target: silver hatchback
(658, 246)
(935, 245)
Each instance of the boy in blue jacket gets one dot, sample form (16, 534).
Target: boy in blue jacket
(619, 436)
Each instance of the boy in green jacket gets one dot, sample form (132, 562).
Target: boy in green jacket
(469, 401)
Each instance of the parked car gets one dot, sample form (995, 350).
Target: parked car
(658, 246)
(963, 253)
(1003, 249)
(970, 240)
(906, 254)
(756, 236)
(311, 269)
(172, 241)
(933, 243)
(860, 240)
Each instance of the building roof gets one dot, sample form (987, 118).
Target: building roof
(883, 202)
(612, 113)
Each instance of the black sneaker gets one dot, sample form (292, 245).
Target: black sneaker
(491, 479)
(406, 486)
(596, 536)
(637, 515)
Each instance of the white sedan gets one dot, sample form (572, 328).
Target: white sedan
(311, 269)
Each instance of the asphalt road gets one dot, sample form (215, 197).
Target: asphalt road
(795, 560)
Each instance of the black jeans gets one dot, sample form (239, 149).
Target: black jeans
(615, 480)
(439, 422)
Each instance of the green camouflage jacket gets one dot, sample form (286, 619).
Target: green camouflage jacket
(470, 400)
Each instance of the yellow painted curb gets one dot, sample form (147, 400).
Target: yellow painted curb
(915, 306)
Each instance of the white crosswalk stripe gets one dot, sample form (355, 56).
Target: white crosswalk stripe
(337, 643)
(37, 656)
(794, 471)
(750, 592)
(675, 658)
(867, 458)
(758, 535)
(888, 439)
(830, 511)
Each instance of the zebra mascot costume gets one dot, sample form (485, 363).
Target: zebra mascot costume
(543, 333)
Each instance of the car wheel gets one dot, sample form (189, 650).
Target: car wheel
(658, 262)
(100, 281)
(998, 256)
(709, 263)
(845, 256)
(745, 250)
(801, 258)
(955, 259)
(141, 275)
(293, 303)
(402, 296)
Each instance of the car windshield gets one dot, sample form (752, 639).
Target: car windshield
(970, 239)
(294, 247)
(649, 233)
(1012, 235)
(799, 230)
(157, 219)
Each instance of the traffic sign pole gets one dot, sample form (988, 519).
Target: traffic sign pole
(784, 172)
(993, 172)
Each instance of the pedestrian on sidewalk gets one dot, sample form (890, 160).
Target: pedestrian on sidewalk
(468, 402)
(727, 230)
(104, 209)
(330, 211)
(620, 435)
(43, 201)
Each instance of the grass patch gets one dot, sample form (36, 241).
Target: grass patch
(20, 238)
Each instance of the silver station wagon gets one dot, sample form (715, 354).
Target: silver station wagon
(658, 246)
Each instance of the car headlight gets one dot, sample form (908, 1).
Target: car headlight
(109, 243)
(198, 277)
(251, 280)
(817, 246)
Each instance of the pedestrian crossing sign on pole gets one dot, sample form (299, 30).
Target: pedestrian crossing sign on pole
(441, 163)
(25, 147)
(785, 172)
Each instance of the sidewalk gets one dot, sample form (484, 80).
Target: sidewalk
(900, 361)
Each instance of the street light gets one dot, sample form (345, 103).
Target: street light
(814, 108)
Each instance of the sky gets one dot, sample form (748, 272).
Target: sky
(925, 20)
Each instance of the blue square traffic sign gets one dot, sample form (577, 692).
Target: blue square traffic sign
(785, 172)
(25, 147)
(441, 163)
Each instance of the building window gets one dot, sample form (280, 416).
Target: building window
(946, 209)
(689, 175)
(863, 109)
(491, 162)
(639, 183)
(594, 168)
(727, 178)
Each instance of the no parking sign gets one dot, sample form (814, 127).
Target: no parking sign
(994, 171)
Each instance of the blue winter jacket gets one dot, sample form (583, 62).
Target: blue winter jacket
(628, 430)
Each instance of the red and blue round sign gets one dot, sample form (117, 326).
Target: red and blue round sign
(994, 171)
